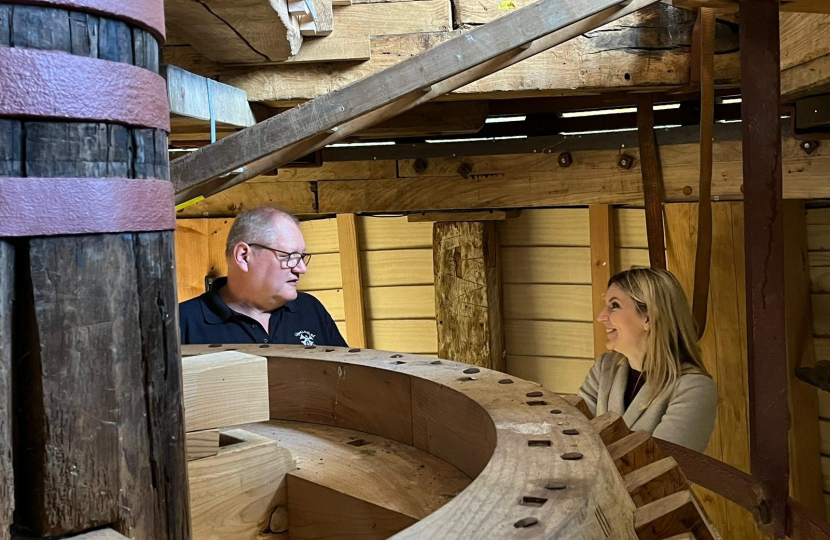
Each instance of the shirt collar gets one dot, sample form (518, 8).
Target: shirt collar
(216, 311)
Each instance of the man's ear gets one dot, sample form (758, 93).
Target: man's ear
(241, 256)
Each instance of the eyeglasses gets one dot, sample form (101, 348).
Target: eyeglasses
(293, 258)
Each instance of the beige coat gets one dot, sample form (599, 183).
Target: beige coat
(684, 415)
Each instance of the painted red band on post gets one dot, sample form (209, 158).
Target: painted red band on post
(148, 14)
(56, 85)
(59, 206)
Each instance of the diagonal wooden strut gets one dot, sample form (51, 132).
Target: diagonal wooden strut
(441, 69)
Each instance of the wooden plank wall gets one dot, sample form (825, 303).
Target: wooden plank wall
(398, 284)
(547, 290)
(818, 244)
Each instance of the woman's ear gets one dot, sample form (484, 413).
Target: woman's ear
(646, 323)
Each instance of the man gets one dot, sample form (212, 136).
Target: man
(258, 302)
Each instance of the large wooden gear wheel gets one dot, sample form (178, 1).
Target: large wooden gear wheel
(523, 462)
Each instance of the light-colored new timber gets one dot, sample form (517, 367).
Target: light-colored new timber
(352, 280)
(472, 421)
(380, 471)
(492, 215)
(234, 493)
(202, 444)
(224, 389)
(602, 265)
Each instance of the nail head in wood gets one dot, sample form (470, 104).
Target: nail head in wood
(534, 394)
(506, 381)
(571, 456)
(571, 432)
(354, 350)
(471, 370)
(555, 486)
(213, 345)
(556, 411)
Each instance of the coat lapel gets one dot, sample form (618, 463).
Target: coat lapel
(616, 398)
(637, 407)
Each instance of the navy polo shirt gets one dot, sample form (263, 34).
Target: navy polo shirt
(304, 321)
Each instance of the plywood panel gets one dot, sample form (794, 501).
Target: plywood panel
(626, 258)
(378, 233)
(217, 232)
(561, 375)
(412, 336)
(404, 302)
(547, 227)
(546, 265)
(550, 302)
(630, 228)
(397, 267)
(549, 338)
(320, 236)
(191, 257)
(323, 273)
(332, 299)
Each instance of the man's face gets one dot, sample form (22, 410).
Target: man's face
(272, 281)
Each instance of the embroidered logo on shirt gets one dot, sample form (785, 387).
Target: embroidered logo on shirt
(306, 337)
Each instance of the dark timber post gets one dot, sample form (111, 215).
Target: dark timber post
(764, 238)
(86, 275)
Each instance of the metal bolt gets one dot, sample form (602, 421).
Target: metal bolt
(625, 161)
(419, 166)
(809, 146)
(564, 159)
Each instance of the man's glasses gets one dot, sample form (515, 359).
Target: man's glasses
(292, 260)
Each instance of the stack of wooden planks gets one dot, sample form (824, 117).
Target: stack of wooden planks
(234, 474)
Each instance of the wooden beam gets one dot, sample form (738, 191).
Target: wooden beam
(352, 280)
(209, 34)
(492, 215)
(805, 438)
(202, 444)
(247, 473)
(806, 6)
(634, 451)
(672, 515)
(6, 471)
(224, 389)
(431, 118)
(655, 481)
(764, 243)
(188, 95)
(802, 38)
(653, 192)
(807, 79)
(602, 265)
(610, 427)
(467, 267)
(334, 109)
(585, 64)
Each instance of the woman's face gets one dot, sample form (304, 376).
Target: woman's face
(625, 327)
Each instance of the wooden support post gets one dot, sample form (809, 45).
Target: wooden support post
(467, 268)
(97, 404)
(6, 475)
(652, 182)
(764, 230)
(352, 280)
(602, 267)
(805, 438)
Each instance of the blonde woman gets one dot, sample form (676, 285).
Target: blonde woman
(653, 377)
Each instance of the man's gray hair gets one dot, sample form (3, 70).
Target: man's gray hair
(255, 226)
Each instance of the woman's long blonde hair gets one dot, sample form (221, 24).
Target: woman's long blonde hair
(671, 348)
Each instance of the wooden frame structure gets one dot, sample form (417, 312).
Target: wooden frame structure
(542, 466)
(333, 117)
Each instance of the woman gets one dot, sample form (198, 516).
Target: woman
(654, 376)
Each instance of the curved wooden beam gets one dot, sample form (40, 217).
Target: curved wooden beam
(537, 462)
